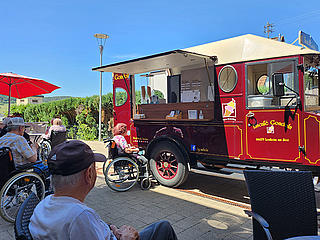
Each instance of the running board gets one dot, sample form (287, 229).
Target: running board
(220, 168)
(213, 170)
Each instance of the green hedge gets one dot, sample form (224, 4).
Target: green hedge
(80, 115)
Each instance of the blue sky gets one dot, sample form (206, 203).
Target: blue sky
(53, 40)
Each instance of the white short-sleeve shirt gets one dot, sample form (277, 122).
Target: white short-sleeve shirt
(67, 218)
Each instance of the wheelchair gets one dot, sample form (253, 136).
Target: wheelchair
(47, 144)
(17, 183)
(122, 171)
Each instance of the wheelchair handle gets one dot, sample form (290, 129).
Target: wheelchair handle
(107, 140)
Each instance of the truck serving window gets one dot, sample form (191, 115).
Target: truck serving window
(259, 84)
(121, 96)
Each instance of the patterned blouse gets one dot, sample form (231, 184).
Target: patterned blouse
(121, 143)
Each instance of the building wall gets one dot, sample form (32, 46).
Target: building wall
(30, 100)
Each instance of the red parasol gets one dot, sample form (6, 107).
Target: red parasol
(19, 86)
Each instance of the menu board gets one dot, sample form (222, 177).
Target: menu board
(190, 96)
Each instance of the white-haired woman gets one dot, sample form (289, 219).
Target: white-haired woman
(56, 126)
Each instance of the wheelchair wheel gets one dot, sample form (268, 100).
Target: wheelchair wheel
(105, 165)
(44, 150)
(16, 190)
(121, 174)
(145, 183)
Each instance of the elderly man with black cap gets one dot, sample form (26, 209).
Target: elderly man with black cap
(64, 215)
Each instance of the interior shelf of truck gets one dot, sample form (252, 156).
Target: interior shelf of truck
(163, 110)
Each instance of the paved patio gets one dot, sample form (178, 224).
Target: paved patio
(192, 216)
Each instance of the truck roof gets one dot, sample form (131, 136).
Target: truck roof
(248, 47)
(243, 48)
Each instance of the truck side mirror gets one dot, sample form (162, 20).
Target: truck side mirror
(278, 84)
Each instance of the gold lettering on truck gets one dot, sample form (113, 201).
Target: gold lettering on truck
(272, 122)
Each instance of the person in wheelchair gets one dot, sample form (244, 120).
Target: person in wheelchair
(57, 126)
(119, 133)
(54, 135)
(4, 128)
(16, 180)
(21, 150)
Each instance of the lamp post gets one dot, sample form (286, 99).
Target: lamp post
(101, 38)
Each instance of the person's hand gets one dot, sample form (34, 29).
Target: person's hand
(131, 150)
(125, 232)
(34, 146)
(134, 149)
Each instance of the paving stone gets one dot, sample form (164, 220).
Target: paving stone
(5, 235)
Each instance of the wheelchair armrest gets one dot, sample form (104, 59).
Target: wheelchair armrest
(129, 155)
(27, 165)
(264, 224)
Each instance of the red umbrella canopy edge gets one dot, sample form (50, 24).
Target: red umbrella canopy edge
(23, 86)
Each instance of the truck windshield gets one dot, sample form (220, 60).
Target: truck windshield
(311, 86)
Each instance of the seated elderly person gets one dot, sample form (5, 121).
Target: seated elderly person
(56, 126)
(64, 215)
(4, 129)
(21, 151)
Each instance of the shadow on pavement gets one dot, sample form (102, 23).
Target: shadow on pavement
(217, 185)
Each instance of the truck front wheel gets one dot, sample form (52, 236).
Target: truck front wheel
(168, 165)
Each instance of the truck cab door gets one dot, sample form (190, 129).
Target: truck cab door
(122, 101)
(273, 122)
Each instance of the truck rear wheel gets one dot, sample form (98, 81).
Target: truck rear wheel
(168, 164)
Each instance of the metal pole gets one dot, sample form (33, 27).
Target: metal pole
(101, 38)
(100, 96)
(9, 99)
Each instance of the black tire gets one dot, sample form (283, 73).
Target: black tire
(145, 183)
(168, 164)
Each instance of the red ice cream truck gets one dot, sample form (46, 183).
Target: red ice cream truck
(246, 101)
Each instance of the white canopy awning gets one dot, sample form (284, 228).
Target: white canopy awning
(248, 47)
(177, 59)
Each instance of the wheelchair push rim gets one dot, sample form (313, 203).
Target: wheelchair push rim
(16, 190)
(121, 174)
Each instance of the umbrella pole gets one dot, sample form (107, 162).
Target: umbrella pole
(9, 99)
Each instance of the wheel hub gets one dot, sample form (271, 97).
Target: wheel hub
(166, 165)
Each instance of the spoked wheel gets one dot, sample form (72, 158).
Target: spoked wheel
(44, 150)
(168, 165)
(121, 174)
(16, 190)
